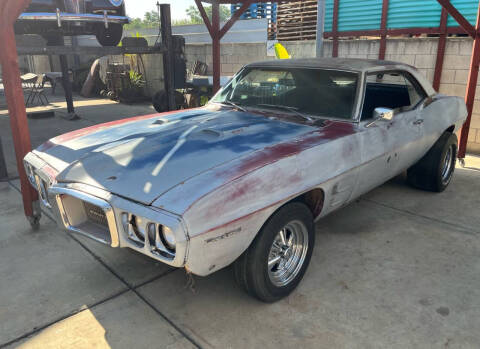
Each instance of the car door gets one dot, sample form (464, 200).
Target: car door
(389, 146)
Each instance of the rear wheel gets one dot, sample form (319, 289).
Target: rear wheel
(435, 170)
(110, 36)
(277, 259)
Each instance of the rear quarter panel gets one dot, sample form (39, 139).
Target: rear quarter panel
(442, 113)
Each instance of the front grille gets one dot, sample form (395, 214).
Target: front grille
(95, 214)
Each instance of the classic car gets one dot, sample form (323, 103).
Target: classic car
(243, 179)
(49, 18)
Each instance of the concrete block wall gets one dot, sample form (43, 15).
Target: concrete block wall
(419, 52)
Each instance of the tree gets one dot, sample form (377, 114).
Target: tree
(151, 19)
(194, 13)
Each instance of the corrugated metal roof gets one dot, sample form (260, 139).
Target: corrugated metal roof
(366, 14)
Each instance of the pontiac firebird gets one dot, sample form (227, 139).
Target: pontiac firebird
(243, 179)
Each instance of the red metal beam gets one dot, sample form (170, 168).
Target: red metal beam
(471, 88)
(442, 41)
(216, 46)
(383, 29)
(452, 11)
(216, 34)
(393, 32)
(205, 18)
(335, 28)
(9, 12)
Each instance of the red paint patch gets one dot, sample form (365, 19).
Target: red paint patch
(333, 130)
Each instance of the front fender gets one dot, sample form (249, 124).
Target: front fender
(223, 223)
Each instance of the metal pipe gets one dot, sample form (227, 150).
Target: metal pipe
(72, 17)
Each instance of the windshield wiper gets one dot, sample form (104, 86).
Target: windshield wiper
(288, 108)
(235, 105)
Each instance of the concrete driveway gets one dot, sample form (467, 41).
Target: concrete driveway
(399, 268)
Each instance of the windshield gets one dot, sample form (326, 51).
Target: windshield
(316, 92)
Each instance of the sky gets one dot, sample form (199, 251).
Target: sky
(136, 8)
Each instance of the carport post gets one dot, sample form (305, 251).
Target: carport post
(9, 12)
(473, 73)
(216, 34)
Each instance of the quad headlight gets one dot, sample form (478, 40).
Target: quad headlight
(161, 239)
(168, 238)
(30, 173)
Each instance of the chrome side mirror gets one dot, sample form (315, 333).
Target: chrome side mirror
(381, 113)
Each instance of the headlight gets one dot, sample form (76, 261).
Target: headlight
(168, 238)
(161, 238)
(30, 173)
(134, 227)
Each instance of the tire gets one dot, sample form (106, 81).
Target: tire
(251, 269)
(434, 171)
(110, 36)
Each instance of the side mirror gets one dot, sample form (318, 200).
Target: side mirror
(382, 113)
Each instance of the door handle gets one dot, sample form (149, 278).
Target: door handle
(418, 122)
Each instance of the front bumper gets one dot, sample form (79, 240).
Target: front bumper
(73, 204)
(60, 17)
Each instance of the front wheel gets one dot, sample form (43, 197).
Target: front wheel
(110, 36)
(278, 257)
(434, 171)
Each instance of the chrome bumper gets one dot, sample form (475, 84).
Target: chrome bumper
(64, 201)
(60, 17)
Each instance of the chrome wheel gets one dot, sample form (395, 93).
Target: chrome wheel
(448, 164)
(287, 253)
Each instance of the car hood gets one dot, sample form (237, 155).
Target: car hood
(143, 159)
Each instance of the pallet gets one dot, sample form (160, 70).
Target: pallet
(296, 20)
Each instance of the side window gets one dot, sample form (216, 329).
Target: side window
(415, 92)
(394, 90)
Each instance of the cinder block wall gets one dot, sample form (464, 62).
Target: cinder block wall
(419, 52)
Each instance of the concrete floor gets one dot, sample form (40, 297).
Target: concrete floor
(399, 268)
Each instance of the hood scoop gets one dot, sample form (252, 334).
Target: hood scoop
(159, 122)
